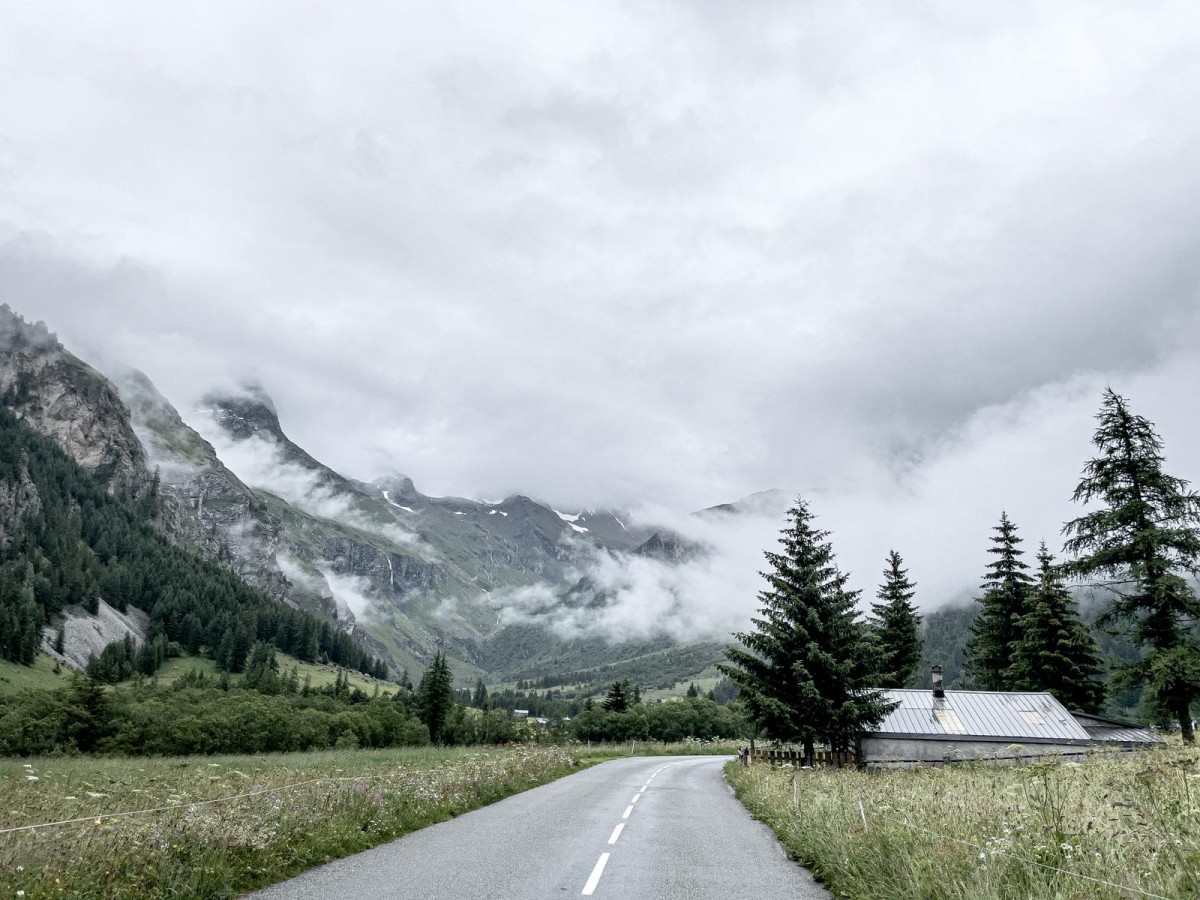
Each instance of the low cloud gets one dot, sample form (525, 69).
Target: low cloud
(1023, 457)
(350, 592)
(260, 463)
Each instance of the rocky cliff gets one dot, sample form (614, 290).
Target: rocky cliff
(70, 402)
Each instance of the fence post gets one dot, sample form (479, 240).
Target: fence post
(795, 791)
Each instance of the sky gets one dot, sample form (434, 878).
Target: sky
(655, 254)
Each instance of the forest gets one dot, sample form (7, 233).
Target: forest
(68, 541)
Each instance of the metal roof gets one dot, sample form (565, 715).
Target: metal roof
(975, 715)
(1131, 735)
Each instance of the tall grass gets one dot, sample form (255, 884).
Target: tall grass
(686, 747)
(987, 832)
(302, 810)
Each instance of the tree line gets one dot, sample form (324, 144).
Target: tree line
(811, 668)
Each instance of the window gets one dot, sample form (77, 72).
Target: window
(949, 720)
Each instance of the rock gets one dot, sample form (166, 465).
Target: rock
(85, 635)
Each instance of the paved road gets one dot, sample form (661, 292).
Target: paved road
(645, 828)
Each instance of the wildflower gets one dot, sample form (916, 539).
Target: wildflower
(32, 778)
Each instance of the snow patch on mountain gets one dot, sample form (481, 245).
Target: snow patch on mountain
(395, 504)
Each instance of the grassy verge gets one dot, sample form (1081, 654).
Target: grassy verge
(302, 810)
(987, 833)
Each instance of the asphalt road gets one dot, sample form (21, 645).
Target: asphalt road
(645, 828)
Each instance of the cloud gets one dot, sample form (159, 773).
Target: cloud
(350, 592)
(614, 254)
(1022, 457)
(261, 463)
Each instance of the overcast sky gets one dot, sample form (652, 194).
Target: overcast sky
(651, 252)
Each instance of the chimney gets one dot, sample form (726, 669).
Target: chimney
(938, 690)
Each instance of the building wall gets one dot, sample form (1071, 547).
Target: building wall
(901, 752)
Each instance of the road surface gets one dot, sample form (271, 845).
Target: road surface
(645, 828)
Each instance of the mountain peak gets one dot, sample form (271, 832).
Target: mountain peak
(772, 502)
(397, 484)
(246, 412)
(16, 333)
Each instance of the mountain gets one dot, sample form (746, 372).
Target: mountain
(63, 398)
(403, 573)
(774, 502)
(79, 554)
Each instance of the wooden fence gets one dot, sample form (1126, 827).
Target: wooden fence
(778, 756)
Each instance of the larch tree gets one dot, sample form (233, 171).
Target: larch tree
(1141, 543)
(1055, 651)
(896, 625)
(1006, 587)
(805, 671)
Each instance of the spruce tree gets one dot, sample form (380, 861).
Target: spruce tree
(1006, 590)
(1140, 544)
(435, 697)
(805, 671)
(615, 700)
(480, 697)
(895, 626)
(1055, 651)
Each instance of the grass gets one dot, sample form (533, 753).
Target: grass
(989, 832)
(686, 747)
(302, 810)
(705, 682)
(40, 676)
(319, 675)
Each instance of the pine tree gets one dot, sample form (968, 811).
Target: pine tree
(435, 697)
(805, 671)
(1006, 589)
(895, 626)
(692, 692)
(480, 698)
(1140, 545)
(1055, 651)
(615, 700)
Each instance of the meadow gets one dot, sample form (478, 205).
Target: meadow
(1113, 826)
(292, 811)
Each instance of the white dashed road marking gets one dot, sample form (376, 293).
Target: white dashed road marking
(594, 879)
